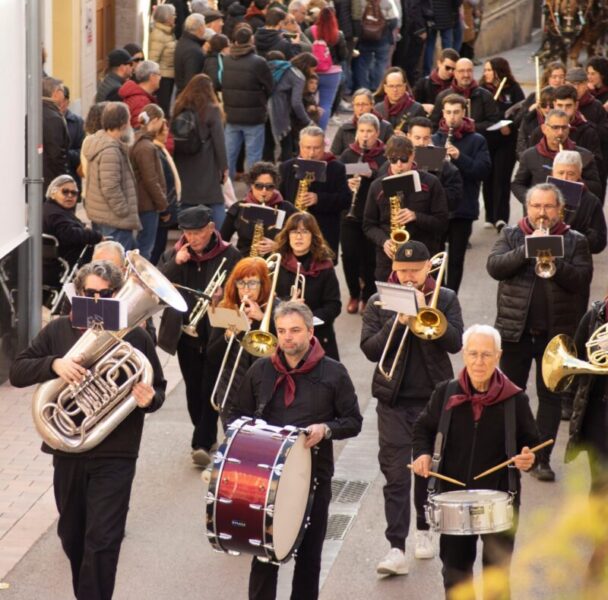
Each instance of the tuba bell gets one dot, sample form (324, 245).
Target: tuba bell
(75, 418)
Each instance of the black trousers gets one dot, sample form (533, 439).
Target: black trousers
(358, 260)
(408, 54)
(395, 429)
(497, 187)
(305, 583)
(459, 232)
(92, 497)
(163, 94)
(516, 362)
(198, 390)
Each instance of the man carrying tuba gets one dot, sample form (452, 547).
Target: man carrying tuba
(92, 488)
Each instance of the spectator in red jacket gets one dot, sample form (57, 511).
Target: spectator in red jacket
(141, 91)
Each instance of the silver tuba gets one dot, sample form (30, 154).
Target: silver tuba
(75, 418)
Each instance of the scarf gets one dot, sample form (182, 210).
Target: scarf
(577, 121)
(543, 149)
(315, 354)
(219, 246)
(589, 96)
(278, 69)
(273, 201)
(254, 11)
(374, 112)
(500, 389)
(443, 84)
(394, 110)
(240, 50)
(560, 228)
(466, 92)
(290, 263)
(171, 163)
(369, 154)
(467, 126)
(328, 157)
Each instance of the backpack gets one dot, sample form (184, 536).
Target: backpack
(373, 22)
(320, 51)
(185, 132)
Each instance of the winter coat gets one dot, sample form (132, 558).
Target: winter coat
(588, 218)
(202, 173)
(235, 14)
(484, 110)
(445, 13)
(400, 121)
(55, 142)
(339, 51)
(267, 40)
(148, 170)
(346, 133)
(507, 263)
(214, 67)
(136, 98)
(108, 87)
(111, 195)
(189, 59)
(246, 88)
(75, 124)
(161, 49)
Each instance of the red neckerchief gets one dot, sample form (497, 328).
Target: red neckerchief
(274, 200)
(543, 149)
(467, 126)
(290, 263)
(218, 248)
(500, 389)
(428, 287)
(315, 354)
(540, 118)
(254, 11)
(578, 120)
(443, 84)
(328, 157)
(393, 110)
(590, 95)
(466, 92)
(369, 154)
(374, 112)
(558, 229)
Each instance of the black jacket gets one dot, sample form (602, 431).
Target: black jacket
(508, 264)
(333, 194)
(235, 14)
(473, 447)
(108, 87)
(324, 395)
(247, 85)
(75, 125)
(528, 126)
(212, 68)
(588, 218)
(484, 111)
(400, 121)
(189, 59)
(345, 136)
(444, 13)
(426, 90)
(267, 40)
(55, 142)
(196, 276)
(33, 365)
(377, 324)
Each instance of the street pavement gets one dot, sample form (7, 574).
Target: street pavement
(166, 555)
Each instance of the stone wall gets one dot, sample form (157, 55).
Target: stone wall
(130, 21)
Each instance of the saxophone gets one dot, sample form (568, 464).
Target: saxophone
(399, 234)
(303, 186)
(258, 234)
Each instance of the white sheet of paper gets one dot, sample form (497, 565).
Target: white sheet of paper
(499, 125)
(225, 318)
(398, 298)
(358, 168)
(280, 219)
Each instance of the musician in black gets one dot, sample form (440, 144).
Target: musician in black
(424, 213)
(358, 253)
(533, 309)
(264, 191)
(484, 419)
(92, 488)
(301, 386)
(428, 88)
(325, 200)
(301, 242)
(398, 106)
(419, 367)
(193, 262)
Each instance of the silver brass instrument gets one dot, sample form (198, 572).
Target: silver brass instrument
(75, 418)
(67, 278)
(299, 285)
(204, 300)
(545, 263)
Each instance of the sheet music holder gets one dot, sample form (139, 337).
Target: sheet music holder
(358, 168)
(103, 313)
(398, 298)
(430, 158)
(536, 244)
(273, 218)
(571, 190)
(228, 318)
(405, 184)
(317, 168)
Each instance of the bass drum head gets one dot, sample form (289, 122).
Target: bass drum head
(291, 498)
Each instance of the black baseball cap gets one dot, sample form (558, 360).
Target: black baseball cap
(412, 251)
(119, 57)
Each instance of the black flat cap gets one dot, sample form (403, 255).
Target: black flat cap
(576, 75)
(412, 251)
(196, 217)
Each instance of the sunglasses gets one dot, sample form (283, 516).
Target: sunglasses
(264, 186)
(67, 192)
(395, 159)
(91, 293)
(137, 60)
(449, 68)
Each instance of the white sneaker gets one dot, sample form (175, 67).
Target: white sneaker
(394, 563)
(424, 548)
(488, 225)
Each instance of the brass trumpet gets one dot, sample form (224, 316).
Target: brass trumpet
(299, 285)
(399, 234)
(545, 264)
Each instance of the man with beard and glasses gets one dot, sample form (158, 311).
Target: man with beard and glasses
(111, 190)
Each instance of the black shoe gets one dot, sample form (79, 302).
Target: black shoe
(543, 472)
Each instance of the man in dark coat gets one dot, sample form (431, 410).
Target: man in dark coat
(427, 89)
(120, 69)
(300, 386)
(55, 137)
(533, 309)
(270, 37)
(420, 366)
(246, 88)
(410, 47)
(443, 17)
(75, 125)
(189, 54)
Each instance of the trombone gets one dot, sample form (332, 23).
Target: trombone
(299, 285)
(428, 324)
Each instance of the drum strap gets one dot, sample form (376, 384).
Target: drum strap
(511, 441)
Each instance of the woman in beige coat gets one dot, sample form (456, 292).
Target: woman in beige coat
(161, 49)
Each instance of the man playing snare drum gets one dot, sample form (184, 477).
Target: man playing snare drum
(487, 417)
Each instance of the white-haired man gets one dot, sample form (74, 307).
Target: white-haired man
(189, 53)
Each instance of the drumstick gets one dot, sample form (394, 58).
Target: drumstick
(512, 460)
(440, 476)
(502, 85)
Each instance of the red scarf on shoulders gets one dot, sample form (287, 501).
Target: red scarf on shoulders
(315, 354)
(274, 200)
(559, 228)
(218, 248)
(393, 110)
(590, 95)
(543, 149)
(443, 84)
(577, 121)
(290, 263)
(466, 92)
(369, 154)
(467, 126)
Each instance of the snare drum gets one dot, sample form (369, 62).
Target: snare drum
(470, 512)
(260, 491)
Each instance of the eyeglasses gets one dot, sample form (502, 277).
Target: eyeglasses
(105, 293)
(361, 104)
(485, 356)
(264, 186)
(558, 127)
(250, 284)
(395, 159)
(67, 192)
(542, 207)
(300, 232)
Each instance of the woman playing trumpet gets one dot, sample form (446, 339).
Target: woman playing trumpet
(301, 243)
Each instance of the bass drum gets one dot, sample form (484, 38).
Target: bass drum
(260, 491)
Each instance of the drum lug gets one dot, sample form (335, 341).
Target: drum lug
(255, 506)
(209, 498)
(234, 553)
(224, 500)
(306, 525)
(255, 543)
(231, 459)
(263, 466)
(225, 536)
(277, 436)
(269, 510)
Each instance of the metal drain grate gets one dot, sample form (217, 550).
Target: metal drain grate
(337, 526)
(347, 491)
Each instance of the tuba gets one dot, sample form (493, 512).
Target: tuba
(75, 418)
